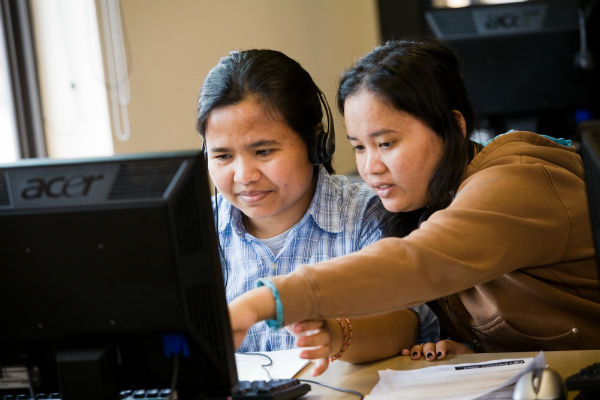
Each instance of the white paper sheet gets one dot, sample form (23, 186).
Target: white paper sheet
(492, 379)
(253, 367)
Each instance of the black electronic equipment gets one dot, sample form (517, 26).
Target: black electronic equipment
(526, 61)
(587, 380)
(590, 153)
(110, 277)
(324, 146)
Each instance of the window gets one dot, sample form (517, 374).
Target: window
(53, 97)
(9, 150)
(71, 76)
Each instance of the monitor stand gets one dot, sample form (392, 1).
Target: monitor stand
(88, 373)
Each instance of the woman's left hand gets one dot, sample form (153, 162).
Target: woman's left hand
(316, 339)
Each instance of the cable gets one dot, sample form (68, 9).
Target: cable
(117, 69)
(221, 253)
(174, 377)
(30, 381)
(263, 366)
(583, 58)
(339, 389)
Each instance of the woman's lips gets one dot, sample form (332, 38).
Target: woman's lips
(253, 196)
(382, 189)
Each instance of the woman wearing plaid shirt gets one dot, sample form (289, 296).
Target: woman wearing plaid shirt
(269, 156)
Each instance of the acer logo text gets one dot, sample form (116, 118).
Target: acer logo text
(60, 186)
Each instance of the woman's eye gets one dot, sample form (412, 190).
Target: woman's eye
(222, 157)
(358, 147)
(263, 153)
(385, 145)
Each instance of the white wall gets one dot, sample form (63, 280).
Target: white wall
(172, 44)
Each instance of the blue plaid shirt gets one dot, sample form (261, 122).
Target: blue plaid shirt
(341, 218)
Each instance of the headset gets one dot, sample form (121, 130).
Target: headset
(203, 150)
(324, 147)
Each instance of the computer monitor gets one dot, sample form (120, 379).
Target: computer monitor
(527, 65)
(590, 153)
(108, 267)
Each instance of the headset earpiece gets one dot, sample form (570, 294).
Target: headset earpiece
(203, 150)
(322, 146)
(324, 139)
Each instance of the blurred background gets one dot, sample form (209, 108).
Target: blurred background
(83, 78)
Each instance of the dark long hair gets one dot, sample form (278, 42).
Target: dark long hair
(278, 82)
(423, 78)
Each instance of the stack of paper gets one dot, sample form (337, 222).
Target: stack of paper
(489, 380)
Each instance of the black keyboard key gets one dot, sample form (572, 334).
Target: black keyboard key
(139, 394)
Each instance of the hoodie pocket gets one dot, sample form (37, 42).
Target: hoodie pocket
(500, 336)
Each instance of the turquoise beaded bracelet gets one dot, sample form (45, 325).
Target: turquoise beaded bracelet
(276, 323)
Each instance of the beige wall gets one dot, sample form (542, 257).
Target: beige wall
(172, 44)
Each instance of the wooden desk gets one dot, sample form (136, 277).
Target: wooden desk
(363, 377)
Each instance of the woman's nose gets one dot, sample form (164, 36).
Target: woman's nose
(373, 163)
(245, 172)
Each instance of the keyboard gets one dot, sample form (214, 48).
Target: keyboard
(275, 389)
(587, 380)
(152, 394)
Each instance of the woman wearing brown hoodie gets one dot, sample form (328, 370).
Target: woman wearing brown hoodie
(496, 237)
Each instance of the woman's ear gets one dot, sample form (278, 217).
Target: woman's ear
(461, 121)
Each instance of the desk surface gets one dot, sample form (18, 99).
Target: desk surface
(363, 377)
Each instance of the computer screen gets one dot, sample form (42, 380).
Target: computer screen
(590, 153)
(109, 268)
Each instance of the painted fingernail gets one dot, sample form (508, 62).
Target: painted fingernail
(414, 354)
(439, 354)
(429, 355)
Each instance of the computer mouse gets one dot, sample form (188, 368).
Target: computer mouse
(538, 384)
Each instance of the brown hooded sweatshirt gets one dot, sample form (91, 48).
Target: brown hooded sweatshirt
(508, 265)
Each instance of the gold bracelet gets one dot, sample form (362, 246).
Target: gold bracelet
(346, 340)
